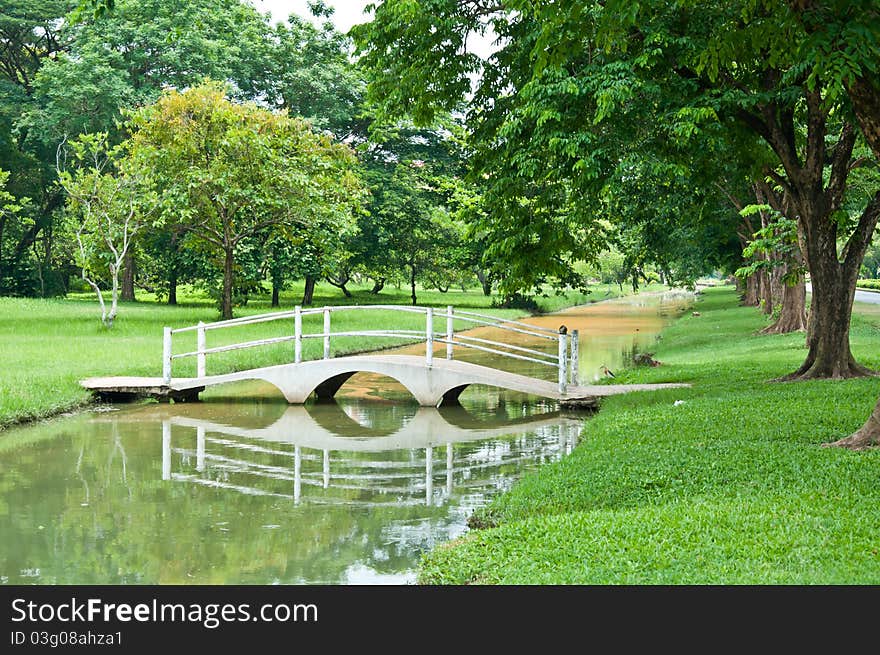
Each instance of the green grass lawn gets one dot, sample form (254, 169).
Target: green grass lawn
(47, 346)
(729, 486)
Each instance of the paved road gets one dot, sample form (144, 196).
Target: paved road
(868, 296)
(872, 297)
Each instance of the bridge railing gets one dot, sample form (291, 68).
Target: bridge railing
(564, 357)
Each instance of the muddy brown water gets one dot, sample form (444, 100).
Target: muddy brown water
(244, 489)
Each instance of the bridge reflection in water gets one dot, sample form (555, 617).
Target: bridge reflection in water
(330, 454)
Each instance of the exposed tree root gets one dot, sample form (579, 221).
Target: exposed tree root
(811, 371)
(867, 436)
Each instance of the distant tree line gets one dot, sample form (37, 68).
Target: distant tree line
(99, 108)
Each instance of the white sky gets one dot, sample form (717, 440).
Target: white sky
(351, 12)
(348, 12)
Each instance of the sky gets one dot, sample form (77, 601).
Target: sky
(348, 12)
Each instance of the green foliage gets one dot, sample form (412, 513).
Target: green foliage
(412, 227)
(650, 115)
(777, 239)
(108, 202)
(11, 216)
(312, 75)
(574, 147)
(33, 33)
(98, 8)
(871, 263)
(179, 43)
(9, 205)
(63, 73)
(76, 95)
(868, 284)
(230, 173)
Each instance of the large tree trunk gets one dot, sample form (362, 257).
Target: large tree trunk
(226, 301)
(791, 300)
(172, 271)
(128, 277)
(378, 285)
(765, 293)
(777, 288)
(865, 96)
(412, 283)
(793, 312)
(815, 199)
(309, 291)
(750, 297)
(833, 285)
(172, 287)
(485, 282)
(276, 290)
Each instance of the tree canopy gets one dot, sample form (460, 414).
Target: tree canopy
(227, 172)
(579, 95)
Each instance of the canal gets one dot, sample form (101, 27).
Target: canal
(245, 489)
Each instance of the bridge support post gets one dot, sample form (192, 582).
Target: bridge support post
(563, 350)
(326, 333)
(450, 331)
(201, 345)
(297, 334)
(166, 355)
(575, 358)
(429, 336)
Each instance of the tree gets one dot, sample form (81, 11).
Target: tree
(414, 177)
(77, 94)
(32, 33)
(227, 172)
(871, 263)
(67, 73)
(575, 86)
(107, 204)
(852, 63)
(313, 76)
(780, 256)
(10, 207)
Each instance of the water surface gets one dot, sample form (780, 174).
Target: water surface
(244, 489)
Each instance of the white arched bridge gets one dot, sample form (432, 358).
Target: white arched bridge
(430, 378)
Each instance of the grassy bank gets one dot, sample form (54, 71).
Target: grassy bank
(730, 486)
(47, 346)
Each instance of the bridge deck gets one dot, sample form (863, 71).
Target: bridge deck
(444, 380)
